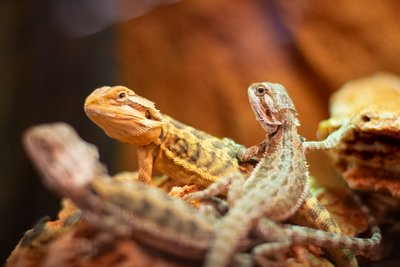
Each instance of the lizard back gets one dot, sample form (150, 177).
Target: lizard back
(193, 156)
(155, 218)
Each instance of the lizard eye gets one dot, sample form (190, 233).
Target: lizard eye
(121, 96)
(260, 91)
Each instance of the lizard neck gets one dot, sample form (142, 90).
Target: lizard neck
(149, 137)
(290, 138)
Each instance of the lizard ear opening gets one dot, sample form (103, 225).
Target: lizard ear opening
(153, 114)
(147, 114)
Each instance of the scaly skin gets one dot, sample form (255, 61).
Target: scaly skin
(195, 157)
(70, 167)
(173, 148)
(274, 109)
(278, 186)
(273, 190)
(130, 209)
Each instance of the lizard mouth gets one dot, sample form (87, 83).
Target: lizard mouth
(136, 114)
(99, 111)
(266, 116)
(124, 120)
(123, 115)
(264, 109)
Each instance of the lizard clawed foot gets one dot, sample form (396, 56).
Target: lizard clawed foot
(271, 254)
(253, 153)
(214, 189)
(242, 260)
(195, 196)
(216, 205)
(183, 191)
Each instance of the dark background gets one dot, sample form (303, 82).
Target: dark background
(195, 59)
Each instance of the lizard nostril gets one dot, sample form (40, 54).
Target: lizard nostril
(365, 118)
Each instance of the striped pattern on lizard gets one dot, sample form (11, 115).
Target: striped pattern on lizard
(186, 154)
(70, 167)
(130, 209)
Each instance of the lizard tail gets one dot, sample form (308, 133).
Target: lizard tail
(313, 214)
(300, 234)
(376, 237)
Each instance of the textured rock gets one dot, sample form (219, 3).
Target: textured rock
(369, 156)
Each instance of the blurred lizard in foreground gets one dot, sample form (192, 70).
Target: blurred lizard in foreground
(279, 185)
(70, 167)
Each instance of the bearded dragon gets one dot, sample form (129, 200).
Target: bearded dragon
(186, 154)
(279, 185)
(131, 209)
(70, 167)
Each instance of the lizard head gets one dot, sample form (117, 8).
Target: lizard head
(65, 161)
(124, 115)
(270, 102)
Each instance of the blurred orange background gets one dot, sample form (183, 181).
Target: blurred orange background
(194, 59)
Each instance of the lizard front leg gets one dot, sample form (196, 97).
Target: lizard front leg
(257, 151)
(217, 187)
(145, 158)
(331, 141)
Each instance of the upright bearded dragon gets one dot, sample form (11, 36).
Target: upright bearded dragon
(278, 187)
(130, 209)
(173, 148)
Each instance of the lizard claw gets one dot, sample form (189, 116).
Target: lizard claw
(193, 196)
